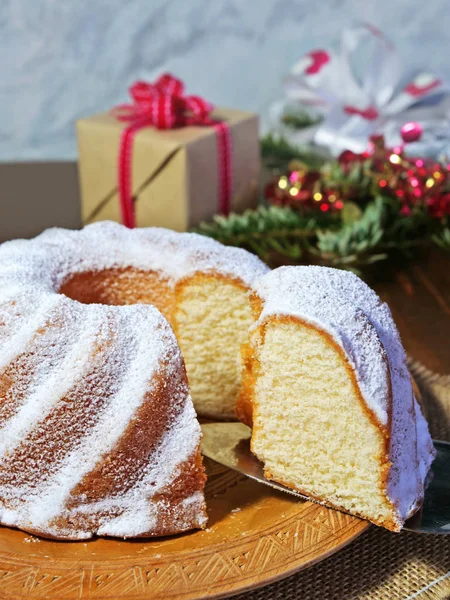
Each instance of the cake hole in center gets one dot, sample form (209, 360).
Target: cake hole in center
(121, 286)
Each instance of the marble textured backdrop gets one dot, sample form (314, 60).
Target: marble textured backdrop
(64, 59)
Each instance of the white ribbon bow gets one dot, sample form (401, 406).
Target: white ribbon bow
(355, 108)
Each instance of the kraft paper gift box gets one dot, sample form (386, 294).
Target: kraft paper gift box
(174, 172)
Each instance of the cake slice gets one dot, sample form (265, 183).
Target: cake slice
(329, 396)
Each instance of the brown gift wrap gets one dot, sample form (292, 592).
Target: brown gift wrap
(174, 172)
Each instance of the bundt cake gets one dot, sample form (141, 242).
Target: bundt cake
(98, 434)
(329, 397)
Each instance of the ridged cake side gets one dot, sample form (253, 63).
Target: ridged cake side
(98, 433)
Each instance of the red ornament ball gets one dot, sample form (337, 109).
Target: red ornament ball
(411, 132)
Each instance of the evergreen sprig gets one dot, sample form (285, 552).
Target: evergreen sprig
(372, 236)
(357, 243)
(277, 152)
(267, 230)
(299, 119)
(442, 239)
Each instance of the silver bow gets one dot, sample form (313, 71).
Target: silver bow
(375, 101)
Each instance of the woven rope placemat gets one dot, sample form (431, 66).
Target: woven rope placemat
(381, 565)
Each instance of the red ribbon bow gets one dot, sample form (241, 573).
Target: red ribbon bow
(163, 105)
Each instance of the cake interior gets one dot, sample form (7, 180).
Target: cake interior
(301, 385)
(209, 313)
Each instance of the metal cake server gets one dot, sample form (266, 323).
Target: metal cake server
(229, 445)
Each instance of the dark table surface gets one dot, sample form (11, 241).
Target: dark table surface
(418, 294)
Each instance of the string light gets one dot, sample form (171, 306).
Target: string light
(412, 182)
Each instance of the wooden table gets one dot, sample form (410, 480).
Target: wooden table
(418, 294)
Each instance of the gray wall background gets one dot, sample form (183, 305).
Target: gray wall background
(62, 59)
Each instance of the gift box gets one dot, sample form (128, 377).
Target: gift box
(176, 174)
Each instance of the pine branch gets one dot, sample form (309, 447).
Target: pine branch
(357, 243)
(373, 237)
(442, 239)
(299, 119)
(277, 151)
(268, 229)
(350, 241)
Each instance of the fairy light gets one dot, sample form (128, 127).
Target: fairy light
(414, 182)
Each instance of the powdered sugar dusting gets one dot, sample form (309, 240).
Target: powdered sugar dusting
(64, 340)
(15, 343)
(150, 340)
(53, 387)
(144, 324)
(333, 300)
(342, 305)
(176, 447)
(58, 253)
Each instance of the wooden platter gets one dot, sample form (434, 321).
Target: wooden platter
(255, 535)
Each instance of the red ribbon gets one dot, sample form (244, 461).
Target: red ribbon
(163, 105)
(370, 113)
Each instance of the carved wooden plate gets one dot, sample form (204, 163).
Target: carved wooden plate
(256, 535)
